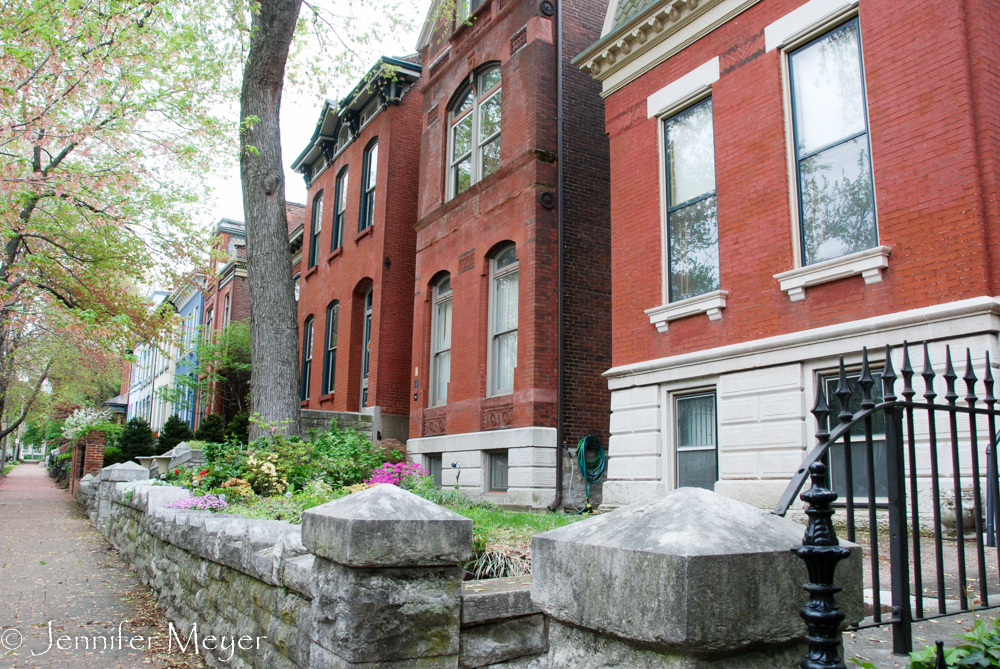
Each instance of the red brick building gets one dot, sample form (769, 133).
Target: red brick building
(227, 294)
(790, 181)
(487, 388)
(354, 259)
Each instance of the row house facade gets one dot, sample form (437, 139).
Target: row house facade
(353, 258)
(188, 301)
(510, 331)
(791, 181)
(151, 376)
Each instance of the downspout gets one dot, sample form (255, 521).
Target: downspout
(557, 502)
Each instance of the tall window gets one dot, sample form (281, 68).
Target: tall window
(503, 319)
(441, 342)
(366, 351)
(317, 223)
(692, 222)
(339, 210)
(832, 157)
(330, 354)
(226, 312)
(297, 281)
(859, 458)
(697, 448)
(368, 186)
(475, 131)
(343, 137)
(307, 356)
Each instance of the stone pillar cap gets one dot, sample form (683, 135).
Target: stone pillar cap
(124, 471)
(690, 570)
(386, 526)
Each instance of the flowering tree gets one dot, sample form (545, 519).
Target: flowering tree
(81, 421)
(105, 113)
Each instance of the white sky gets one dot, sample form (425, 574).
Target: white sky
(299, 113)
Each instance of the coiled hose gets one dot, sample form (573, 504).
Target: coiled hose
(592, 471)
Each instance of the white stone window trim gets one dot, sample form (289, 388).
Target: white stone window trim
(682, 91)
(869, 264)
(803, 22)
(710, 304)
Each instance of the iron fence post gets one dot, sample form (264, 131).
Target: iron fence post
(902, 612)
(821, 551)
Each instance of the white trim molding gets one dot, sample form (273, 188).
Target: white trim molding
(494, 440)
(804, 19)
(710, 304)
(687, 87)
(940, 321)
(868, 263)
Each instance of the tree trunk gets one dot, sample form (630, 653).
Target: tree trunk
(274, 332)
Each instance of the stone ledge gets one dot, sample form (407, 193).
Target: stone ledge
(710, 304)
(495, 599)
(869, 263)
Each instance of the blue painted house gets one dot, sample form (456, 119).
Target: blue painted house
(189, 301)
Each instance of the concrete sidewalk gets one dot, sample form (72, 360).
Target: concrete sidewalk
(58, 574)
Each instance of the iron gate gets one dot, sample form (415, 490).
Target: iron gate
(913, 454)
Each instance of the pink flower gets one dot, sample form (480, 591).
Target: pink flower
(395, 474)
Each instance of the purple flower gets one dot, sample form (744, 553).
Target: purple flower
(395, 474)
(206, 502)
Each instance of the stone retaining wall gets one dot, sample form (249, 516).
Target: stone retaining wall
(690, 580)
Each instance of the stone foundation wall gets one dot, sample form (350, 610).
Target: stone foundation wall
(691, 580)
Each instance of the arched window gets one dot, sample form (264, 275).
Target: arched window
(475, 131)
(367, 349)
(307, 356)
(368, 175)
(441, 341)
(503, 320)
(343, 138)
(330, 352)
(317, 224)
(339, 210)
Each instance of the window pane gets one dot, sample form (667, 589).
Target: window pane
(696, 421)
(489, 79)
(466, 100)
(444, 285)
(697, 469)
(838, 205)
(342, 190)
(331, 326)
(859, 467)
(694, 250)
(498, 471)
(372, 167)
(506, 356)
(442, 375)
(442, 339)
(828, 90)
(463, 175)
(505, 313)
(691, 151)
(506, 257)
(462, 137)
(489, 117)
(491, 157)
(854, 405)
(434, 468)
(317, 221)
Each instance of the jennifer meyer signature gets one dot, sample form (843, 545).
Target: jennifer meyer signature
(12, 639)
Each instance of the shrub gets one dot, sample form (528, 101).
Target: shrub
(211, 428)
(137, 440)
(59, 465)
(112, 456)
(82, 421)
(174, 432)
(398, 474)
(239, 428)
(344, 457)
(263, 476)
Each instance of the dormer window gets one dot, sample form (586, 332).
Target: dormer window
(370, 111)
(343, 138)
(475, 131)
(464, 9)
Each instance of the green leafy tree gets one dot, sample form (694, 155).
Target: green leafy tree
(137, 440)
(174, 432)
(212, 428)
(238, 428)
(222, 375)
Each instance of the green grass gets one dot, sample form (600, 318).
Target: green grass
(501, 538)
(6, 470)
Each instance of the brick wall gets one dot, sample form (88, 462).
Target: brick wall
(931, 82)
(380, 257)
(459, 235)
(88, 457)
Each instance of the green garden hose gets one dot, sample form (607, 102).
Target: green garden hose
(591, 470)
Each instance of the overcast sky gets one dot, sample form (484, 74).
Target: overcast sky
(299, 113)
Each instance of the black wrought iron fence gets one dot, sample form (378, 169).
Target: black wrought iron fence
(908, 459)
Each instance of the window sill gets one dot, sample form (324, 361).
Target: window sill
(304, 404)
(309, 272)
(710, 304)
(868, 263)
(335, 254)
(364, 233)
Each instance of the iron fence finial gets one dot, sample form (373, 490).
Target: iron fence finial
(866, 381)
(928, 375)
(888, 377)
(907, 371)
